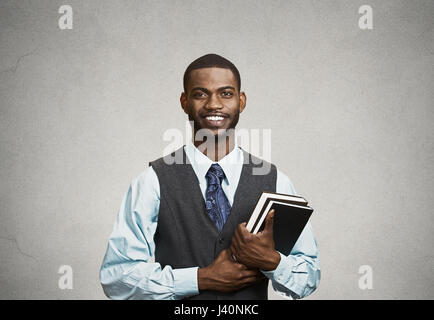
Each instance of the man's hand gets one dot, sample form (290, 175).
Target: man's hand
(256, 250)
(226, 275)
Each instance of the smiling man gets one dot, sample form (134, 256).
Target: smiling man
(180, 232)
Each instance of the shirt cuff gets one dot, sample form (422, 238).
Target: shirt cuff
(185, 282)
(280, 274)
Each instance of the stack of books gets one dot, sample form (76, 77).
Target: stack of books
(291, 214)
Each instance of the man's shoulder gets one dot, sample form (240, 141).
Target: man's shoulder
(284, 184)
(177, 156)
(146, 177)
(259, 165)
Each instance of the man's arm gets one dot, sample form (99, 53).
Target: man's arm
(127, 271)
(296, 275)
(226, 275)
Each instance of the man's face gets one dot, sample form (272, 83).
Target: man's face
(212, 100)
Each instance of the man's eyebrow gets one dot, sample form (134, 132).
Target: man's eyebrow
(200, 88)
(226, 87)
(207, 91)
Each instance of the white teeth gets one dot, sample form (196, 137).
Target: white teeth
(215, 118)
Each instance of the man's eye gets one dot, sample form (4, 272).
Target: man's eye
(227, 94)
(198, 94)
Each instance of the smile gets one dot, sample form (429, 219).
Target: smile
(215, 121)
(215, 118)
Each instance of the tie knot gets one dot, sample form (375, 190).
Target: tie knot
(215, 171)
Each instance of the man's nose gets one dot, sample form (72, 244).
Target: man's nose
(214, 102)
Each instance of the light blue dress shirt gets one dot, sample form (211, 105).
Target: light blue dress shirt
(129, 271)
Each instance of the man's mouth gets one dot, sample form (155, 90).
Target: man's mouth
(215, 121)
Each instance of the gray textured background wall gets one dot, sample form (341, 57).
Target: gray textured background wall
(351, 112)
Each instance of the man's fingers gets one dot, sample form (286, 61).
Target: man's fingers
(233, 251)
(250, 280)
(223, 254)
(236, 241)
(269, 220)
(253, 279)
(240, 232)
(249, 273)
(239, 239)
(237, 236)
(241, 266)
(243, 230)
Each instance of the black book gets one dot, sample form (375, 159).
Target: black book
(291, 213)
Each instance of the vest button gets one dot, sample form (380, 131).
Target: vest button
(221, 240)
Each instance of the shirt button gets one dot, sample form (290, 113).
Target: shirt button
(280, 278)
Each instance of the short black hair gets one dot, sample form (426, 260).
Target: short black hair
(211, 60)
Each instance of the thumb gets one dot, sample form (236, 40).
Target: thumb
(224, 254)
(269, 221)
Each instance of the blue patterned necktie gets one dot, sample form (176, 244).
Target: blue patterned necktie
(217, 205)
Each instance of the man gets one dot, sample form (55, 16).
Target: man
(189, 216)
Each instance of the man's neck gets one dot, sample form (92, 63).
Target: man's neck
(216, 149)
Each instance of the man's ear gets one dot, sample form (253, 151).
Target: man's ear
(183, 100)
(243, 101)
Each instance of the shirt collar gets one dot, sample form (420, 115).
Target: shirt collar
(201, 163)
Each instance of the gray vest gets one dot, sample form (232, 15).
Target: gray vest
(186, 236)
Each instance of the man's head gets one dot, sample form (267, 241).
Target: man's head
(212, 97)
(211, 60)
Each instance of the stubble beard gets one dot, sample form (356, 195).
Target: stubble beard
(207, 139)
